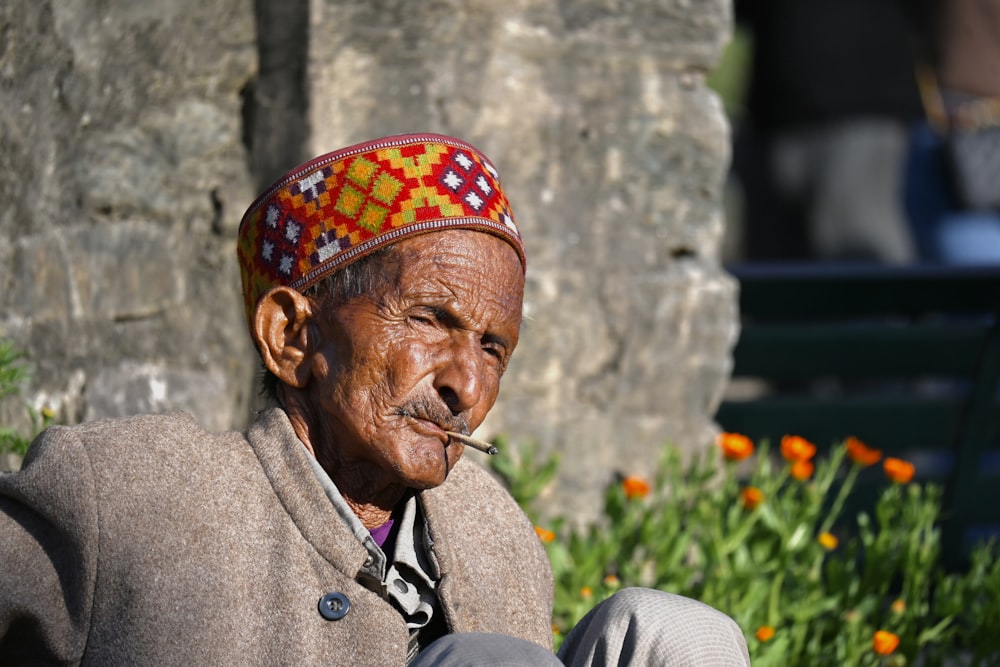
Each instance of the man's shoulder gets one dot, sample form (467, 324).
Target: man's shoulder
(145, 423)
(136, 436)
(467, 476)
(171, 426)
(484, 542)
(472, 495)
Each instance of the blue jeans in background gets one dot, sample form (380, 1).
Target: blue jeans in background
(945, 233)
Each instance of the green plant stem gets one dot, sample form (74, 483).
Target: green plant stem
(775, 597)
(740, 535)
(838, 503)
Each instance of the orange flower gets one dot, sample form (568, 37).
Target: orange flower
(751, 496)
(611, 581)
(898, 470)
(796, 448)
(544, 535)
(765, 633)
(586, 592)
(802, 470)
(735, 447)
(828, 541)
(884, 642)
(635, 487)
(898, 606)
(862, 454)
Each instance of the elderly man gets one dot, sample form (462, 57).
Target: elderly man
(383, 286)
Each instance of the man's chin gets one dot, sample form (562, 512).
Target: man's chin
(436, 467)
(424, 483)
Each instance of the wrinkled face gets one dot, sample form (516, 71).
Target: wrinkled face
(394, 370)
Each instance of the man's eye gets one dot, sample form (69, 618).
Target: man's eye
(423, 317)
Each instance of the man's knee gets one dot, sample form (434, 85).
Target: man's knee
(481, 649)
(638, 626)
(652, 606)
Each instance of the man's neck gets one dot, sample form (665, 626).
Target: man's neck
(368, 498)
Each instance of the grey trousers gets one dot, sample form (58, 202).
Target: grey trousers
(636, 626)
(851, 173)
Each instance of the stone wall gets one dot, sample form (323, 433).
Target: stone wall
(128, 159)
(123, 175)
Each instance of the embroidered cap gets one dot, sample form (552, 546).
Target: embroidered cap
(339, 207)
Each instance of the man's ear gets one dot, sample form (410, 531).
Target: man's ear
(280, 328)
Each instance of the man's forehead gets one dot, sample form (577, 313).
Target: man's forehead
(461, 263)
(453, 248)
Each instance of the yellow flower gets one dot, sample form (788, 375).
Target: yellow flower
(898, 606)
(635, 487)
(48, 412)
(828, 541)
(802, 470)
(884, 642)
(796, 448)
(751, 496)
(586, 592)
(544, 535)
(899, 471)
(765, 633)
(735, 447)
(860, 453)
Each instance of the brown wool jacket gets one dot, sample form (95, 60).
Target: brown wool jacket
(150, 541)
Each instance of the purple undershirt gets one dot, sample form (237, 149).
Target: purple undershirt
(381, 533)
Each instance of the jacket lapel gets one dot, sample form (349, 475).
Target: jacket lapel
(285, 462)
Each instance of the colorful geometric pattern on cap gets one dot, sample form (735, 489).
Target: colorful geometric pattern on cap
(344, 205)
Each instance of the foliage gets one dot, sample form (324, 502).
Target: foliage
(14, 375)
(730, 77)
(521, 472)
(765, 538)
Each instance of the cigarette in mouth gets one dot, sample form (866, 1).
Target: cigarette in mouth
(472, 442)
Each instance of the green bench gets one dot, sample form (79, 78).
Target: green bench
(906, 359)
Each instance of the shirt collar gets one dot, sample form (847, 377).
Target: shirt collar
(406, 579)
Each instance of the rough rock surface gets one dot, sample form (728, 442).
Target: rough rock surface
(133, 135)
(123, 174)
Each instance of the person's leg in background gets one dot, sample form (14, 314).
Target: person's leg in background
(857, 211)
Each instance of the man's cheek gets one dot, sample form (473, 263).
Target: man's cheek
(379, 399)
(479, 412)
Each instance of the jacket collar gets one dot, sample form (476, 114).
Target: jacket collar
(286, 464)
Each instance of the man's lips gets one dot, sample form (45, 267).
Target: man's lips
(425, 418)
(449, 434)
(432, 429)
(429, 425)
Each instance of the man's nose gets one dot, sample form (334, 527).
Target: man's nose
(459, 377)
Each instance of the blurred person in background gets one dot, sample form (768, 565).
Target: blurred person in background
(953, 170)
(821, 150)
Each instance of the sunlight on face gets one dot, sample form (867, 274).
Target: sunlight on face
(399, 367)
